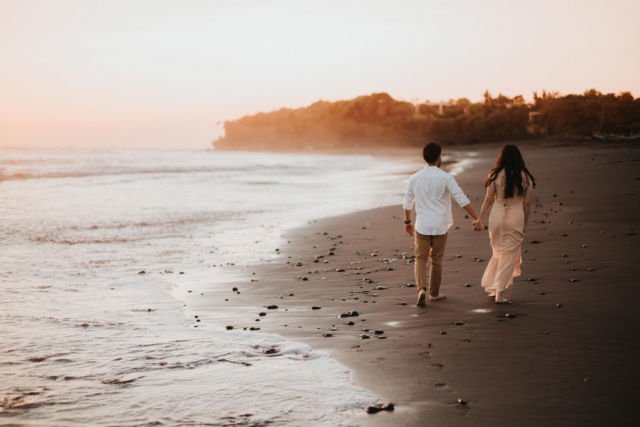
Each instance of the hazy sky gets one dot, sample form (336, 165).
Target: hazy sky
(151, 73)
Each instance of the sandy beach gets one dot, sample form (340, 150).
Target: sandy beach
(563, 353)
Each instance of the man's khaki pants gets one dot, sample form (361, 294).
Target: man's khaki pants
(431, 247)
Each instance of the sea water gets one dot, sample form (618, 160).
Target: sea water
(87, 339)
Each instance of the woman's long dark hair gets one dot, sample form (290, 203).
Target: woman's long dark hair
(511, 162)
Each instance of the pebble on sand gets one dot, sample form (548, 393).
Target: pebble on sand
(374, 409)
(272, 307)
(229, 327)
(315, 307)
(348, 314)
(458, 323)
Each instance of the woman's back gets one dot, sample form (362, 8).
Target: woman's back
(501, 185)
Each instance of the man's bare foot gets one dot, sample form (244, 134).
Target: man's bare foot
(422, 295)
(437, 297)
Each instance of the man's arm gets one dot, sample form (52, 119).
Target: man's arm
(461, 199)
(471, 210)
(408, 226)
(408, 205)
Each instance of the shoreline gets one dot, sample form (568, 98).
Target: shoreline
(422, 361)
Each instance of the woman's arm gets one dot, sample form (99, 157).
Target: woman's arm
(489, 198)
(526, 204)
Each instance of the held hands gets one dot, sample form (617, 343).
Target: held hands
(477, 225)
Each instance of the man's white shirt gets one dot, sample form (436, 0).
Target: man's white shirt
(430, 190)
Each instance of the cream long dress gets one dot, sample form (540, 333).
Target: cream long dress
(506, 233)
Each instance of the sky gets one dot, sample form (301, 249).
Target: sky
(161, 74)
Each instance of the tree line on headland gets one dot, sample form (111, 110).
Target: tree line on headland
(380, 120)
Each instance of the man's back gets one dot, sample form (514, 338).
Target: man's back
(431, 189)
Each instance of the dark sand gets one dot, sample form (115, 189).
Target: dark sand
(570, 365)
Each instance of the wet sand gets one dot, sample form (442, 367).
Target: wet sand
(564, 353)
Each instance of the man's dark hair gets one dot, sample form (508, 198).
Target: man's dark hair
(431, 152)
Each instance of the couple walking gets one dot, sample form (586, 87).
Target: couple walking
(508, 196)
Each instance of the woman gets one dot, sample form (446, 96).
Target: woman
(509, 187)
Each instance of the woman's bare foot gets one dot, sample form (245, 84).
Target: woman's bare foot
(500, 299)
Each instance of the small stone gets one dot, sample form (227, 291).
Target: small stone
(378, 332)
(339, 270)
(298, 264)
(572, 280)
(272, 307)
(461, 402)
(535, 242)
(327, 335)
(458, 323)
(350, 323)
(305, 279)
(235, 289)
(510, 315)
(542, 293)
(558, 305)
(142, 272)
(229, 327)
(348, 314)
(410, 285)
(467, 285)
(262, 314)
(443, 332)
(315, 307)
(271, 350)
(591, 269)
(364, 336)
(532, 279)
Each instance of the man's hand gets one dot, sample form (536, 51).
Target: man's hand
(478, 225)
(409, 229)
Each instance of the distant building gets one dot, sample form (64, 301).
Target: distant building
(536, 124)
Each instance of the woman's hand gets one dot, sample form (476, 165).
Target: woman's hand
(478, 225)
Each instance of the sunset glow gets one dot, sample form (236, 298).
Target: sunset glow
(165, 74)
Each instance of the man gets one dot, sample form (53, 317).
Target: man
(429, 191)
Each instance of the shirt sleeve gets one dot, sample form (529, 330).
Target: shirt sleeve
(409, 197)
(458, 195)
